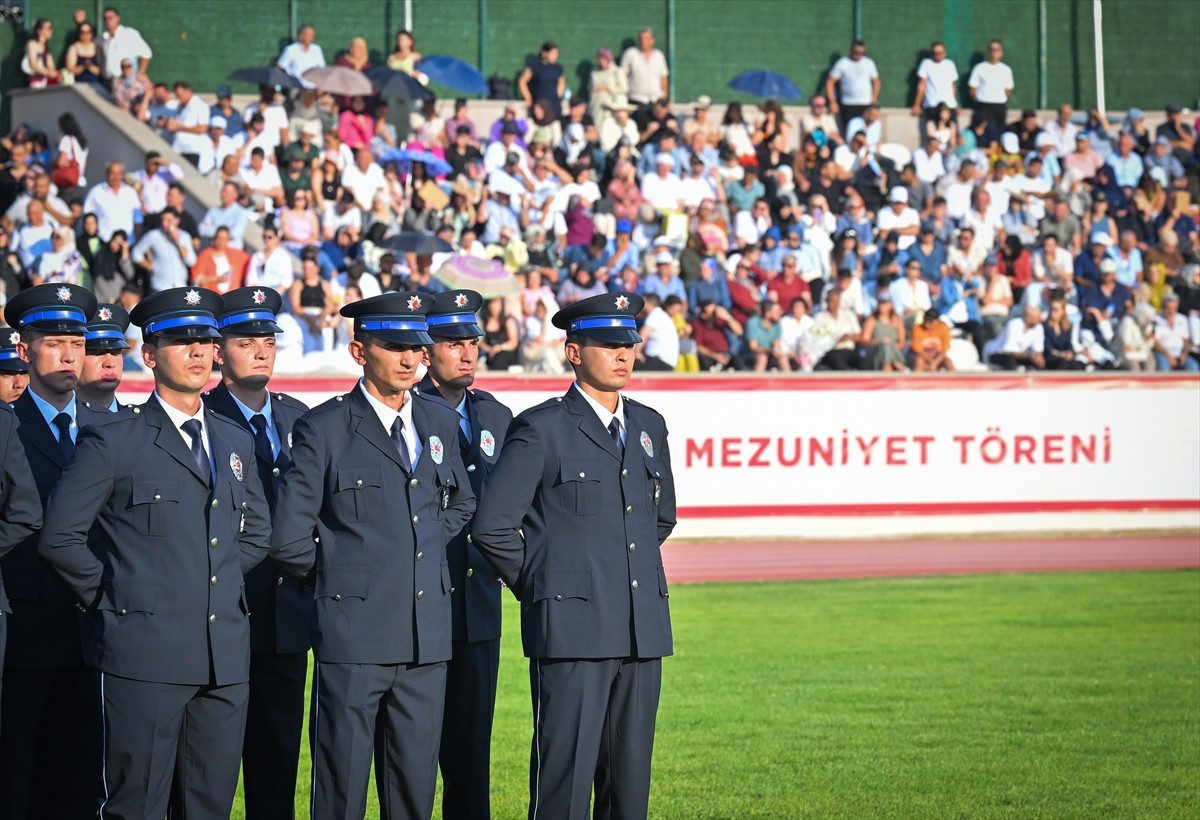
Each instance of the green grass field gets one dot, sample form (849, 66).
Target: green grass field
(1023, 696)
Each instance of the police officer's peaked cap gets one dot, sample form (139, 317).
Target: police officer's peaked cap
(250, 312)
(107, 330)
(454, 315)
(10, 360)
(52, 308)
(179, 313)
(398, 318)
(609, 317)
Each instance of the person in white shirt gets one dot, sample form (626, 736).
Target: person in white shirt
(272, 266)
(262, 178)
(660, 345)
(364, 179)
(663, 189)
(698, 185)
(899, 219)
(1062, 131)
(990, 85)
(1171, 338)
(870, 123)
(749, 225)
(984, 220)
(1021, 344)
(302, 55)
(910, 294)
(646, 68)
(928, 160)
(217, 145)
(1033, 187)
(119, 43)
(1050, 260)
(937, 83)
(857, 85)
(190, 124)
(115, 204)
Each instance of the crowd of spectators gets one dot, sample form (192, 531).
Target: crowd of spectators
(998, 240)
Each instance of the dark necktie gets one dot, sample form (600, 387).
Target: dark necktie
(262, 442)
(614, 430)
(63, 422)
(192, 428)
(401, 444)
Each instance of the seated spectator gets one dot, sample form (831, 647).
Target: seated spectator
(235, 126)
(709, 286)
(1087, 264)
(711, 330)
(1128, 259)
(1083, 158)
(1135, 340)
(38, 65)
(189, 125)
(264, 183)
(763, 340)
(363, 179)
(932, 256)
(996, 298)
(1018, 223)
(1126, 163)
(884, 338)
(1063, 350)
(1172, 341)
(501, 336)
(659, 349)
(840, 332)
(663, 189)
(54, 207)
(931, 344)
(1050, 261)
(1161, 156)
(177, 199)
(665, 282)
(298, 223)
(1021, 344)
(312, 303)
(112, 268)
(62, 263)
(788, 285)
(229, 214)
(215, 147)
(910, 295)
(899, 218)
(1180, 135)
(221, 266)
(129, 89)
(541, 349)
(83, 59)
(1064, 226)
(818, 118)
(985, 221)
(33, 237)
(271, 267)
(1103, 306)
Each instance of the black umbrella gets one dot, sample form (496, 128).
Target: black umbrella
(414, 242)
(265, 75)
(396, 85)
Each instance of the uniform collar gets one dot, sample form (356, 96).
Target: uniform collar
(47, 409)
(265, 412)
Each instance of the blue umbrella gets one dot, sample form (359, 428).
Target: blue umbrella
(453, 73)
(435, 166)
(768, 84)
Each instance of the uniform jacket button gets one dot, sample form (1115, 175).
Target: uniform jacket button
(279, 582)
(624, 474)
(420, 555)
(413, 482)
(215, 503)
(633, 547)
(212, 581)
(214, 543)
(469, 541)
(629, 510)
(157, 497)
(558, 597)
(470, 572)
(212, 619)
(337, 597)
(245, 505)
(634, 584)
(420, 594)
(275, 472)
(358, 483)
(416, 519)
(470, 468)
(124, 611)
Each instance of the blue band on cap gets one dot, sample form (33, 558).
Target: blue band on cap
(452, 319)
(60, 314)
(592, 322)
(8, 353)
(246, 316)
(185, 320)
(98, 335)
(391, 324)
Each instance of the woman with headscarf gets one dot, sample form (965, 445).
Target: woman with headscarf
(1134, 124)
(785, 204)
(607, 85)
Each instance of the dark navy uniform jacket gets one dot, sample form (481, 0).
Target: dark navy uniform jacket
(44, 632)
(476, 600)
(165, 572)
(280, 605)
(20, 507)
(382, 579)
(588, 571)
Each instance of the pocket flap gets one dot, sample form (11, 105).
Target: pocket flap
(445, 476)
(355, 478)
(654, 467)
(124, 596)
(154, 491)
(343, 582)
(579, 470)
(561, 584)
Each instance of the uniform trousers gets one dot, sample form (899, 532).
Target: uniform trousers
(391, 712)
(274, 727)
(592, 719)
(154, 732)
(50, 746)
(466, 753)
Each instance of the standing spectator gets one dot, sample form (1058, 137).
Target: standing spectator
(937, 82)
(123, 43)
(990, 85)
(1063, 131)
(190, 124)
(646, 68)
(301, 55)
(1172, 341)
(167, 253)
(659, 349)
(853, 84)
(543, 81)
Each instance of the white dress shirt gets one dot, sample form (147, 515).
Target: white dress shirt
(387, 416)
(603, 413)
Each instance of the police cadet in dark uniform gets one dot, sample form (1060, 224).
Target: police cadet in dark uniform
(104, 363)
(20, 507)
(465, 755)
(172, 494)
(280, 606)
(50, 742)
(14, 373)
(380, 477)
(573, 518)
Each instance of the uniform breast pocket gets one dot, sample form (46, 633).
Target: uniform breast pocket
(359, 495)
(579, 488)
(656, 478)
(154, 505)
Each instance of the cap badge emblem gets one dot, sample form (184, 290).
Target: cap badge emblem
(105, 314)
(460, 300)
(63, 294)
(192, 297)
(14, 337)
(622, 302)
(259, 297)
(414, 302)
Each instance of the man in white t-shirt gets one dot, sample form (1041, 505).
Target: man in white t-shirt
(115, 204)
(364, 179)
(647, 70)
(302, 55)
(119, 43)
(661, 339)
(663, 189)
(990, 86)
(262, 178)
(857, 81)
(190, 124)
(899, 219)
(937, 83)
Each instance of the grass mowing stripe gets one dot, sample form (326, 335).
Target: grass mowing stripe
(1008, 696)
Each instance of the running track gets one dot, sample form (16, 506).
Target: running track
(784, 561)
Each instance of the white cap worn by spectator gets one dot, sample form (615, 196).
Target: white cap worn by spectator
(1108, 266)
(218, 121)
(1102, 239)
(664, 158)
(1009, 142)
(1042, 140)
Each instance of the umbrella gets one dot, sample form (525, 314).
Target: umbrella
(339, 79)
(396, 85)
(453, 73)
(435, 166)
(416, 242)
(265, 75)
(764, 83)
(487, 276)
